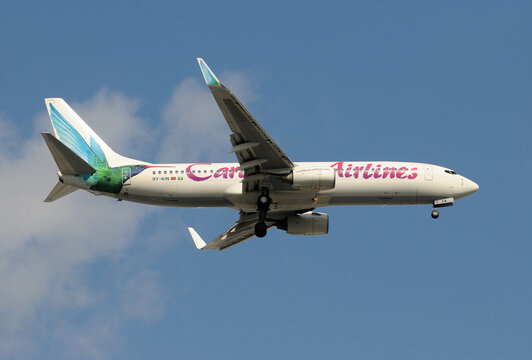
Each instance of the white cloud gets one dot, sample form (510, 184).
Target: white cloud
(94, 340)
(8, 135)
(113, 116)
(44, 244)
(141, 296)
(241, 84)
(47, 248)
(194, 127)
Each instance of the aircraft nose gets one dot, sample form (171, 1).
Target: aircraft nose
(470, 187)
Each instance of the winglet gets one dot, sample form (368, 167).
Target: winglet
(209, 76)
(200, 244)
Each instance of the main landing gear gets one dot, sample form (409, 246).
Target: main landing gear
(261, 229)
(263, 205)
(435, 213)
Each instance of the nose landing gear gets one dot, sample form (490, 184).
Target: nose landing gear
(439, 204)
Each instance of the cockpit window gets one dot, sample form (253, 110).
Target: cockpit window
(450, 172)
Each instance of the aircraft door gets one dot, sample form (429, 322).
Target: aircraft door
(428, 172)
(126, 176)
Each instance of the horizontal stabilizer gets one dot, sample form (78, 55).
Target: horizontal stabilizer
(59, 191)
(67, 161)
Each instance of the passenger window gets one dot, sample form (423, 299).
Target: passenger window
(153, 172)
(159, 172)
(165, 172)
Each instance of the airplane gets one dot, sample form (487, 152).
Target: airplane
(265, 186)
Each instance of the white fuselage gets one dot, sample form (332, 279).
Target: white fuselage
(357, 183)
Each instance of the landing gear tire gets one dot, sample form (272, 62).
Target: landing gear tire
(263, 202)
(261, 229)
(435, 213)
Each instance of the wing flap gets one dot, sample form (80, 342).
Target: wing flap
(242, 123)
(235, 235)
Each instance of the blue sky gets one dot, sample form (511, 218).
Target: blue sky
(448, 83)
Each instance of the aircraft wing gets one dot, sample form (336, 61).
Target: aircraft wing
(242, 230)
(255, 150)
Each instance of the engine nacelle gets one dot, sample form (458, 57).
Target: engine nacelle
(308, 224)
(312, 178)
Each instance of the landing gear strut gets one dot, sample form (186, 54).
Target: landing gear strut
(263, 205)
(435, 213)
(263, 202)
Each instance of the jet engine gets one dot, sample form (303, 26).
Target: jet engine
(312, 178)
(308, 223)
